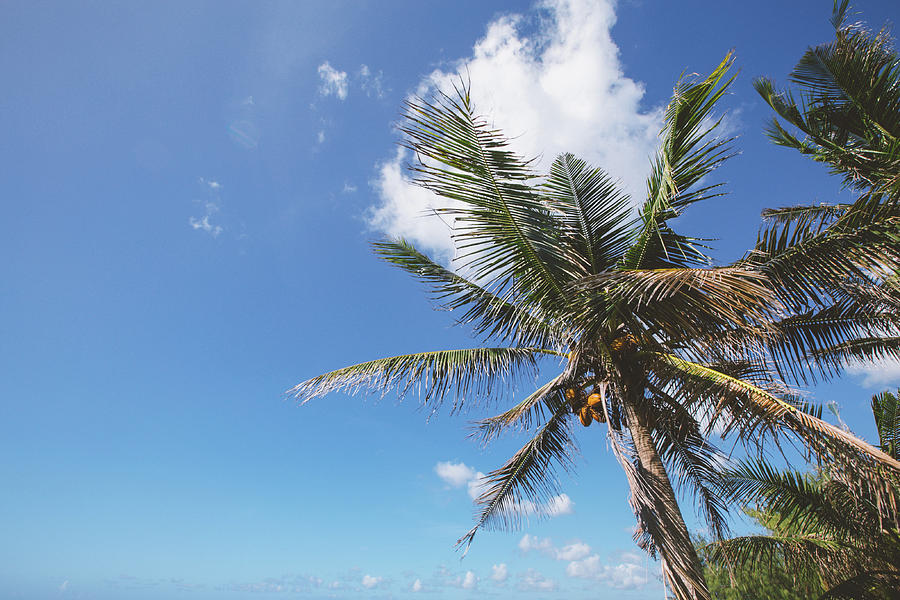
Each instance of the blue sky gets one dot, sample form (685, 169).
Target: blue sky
(189, 192)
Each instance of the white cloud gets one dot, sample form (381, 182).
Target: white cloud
(626, 573)
(575, 551)
(64, 585)
(320, 137)
(531, 580)
(477, 485)
(455, 474)
(875, 374)
(560, 505)
(469, 581)
(204, 224)
(348, 188)
(371, 83)
(333, 82)
(530, 542)
(561, 90)
(213, 185)
(407, 211)
(369, 582)
(416, 586)
(499, 573)
(460, 474)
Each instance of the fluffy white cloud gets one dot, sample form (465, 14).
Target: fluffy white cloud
(369, 581)
(332, 81)
(460, 474)
(416, 586)
(469, 581)
(876, 374)
(560, 90)
(560, 505)
(455, 474)
(575, 551)
(530, 542)
(627, 573)
(499, 573)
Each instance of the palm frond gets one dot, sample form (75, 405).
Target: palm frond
(433, 375)
(595, 215)
(488, 314)
(525, 413)
(752, 407)
(886, 410)
(849, 107)
(683, 303)
(504, 233)
(689, 153)
(525, 484)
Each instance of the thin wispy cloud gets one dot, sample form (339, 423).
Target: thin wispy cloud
(533, 581)
(204, 222)
(559, 89)
(332, 81)
(372, 83)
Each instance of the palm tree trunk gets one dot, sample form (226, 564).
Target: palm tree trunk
(680, 564)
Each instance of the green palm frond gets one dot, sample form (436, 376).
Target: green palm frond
(849, 107)
(799, 503)
(595, 214)
(886, 410)
(489, 315)
(815, 213)
(694, 462)
(689, 152)
(525, 484)
(469, 374)
(687, 303)
(815, 334)
(801, 552)
(870, 585)
(752, 407)
(805, 262)
(504, 233)
(525, 413)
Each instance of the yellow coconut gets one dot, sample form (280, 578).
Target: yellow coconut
(585, 415)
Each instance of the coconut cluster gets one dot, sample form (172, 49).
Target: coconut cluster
(588, 407)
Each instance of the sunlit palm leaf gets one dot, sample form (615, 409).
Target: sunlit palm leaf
(595, 216)
(525, 484)
(504, 233)
(470, 374)
(490, 315)
(689, 152)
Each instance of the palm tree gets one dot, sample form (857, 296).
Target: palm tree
(650, 339)
(824, 525)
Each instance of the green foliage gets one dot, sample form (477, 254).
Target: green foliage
(754, 582)
(826, 527)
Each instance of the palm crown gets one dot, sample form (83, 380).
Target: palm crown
(653, 341)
